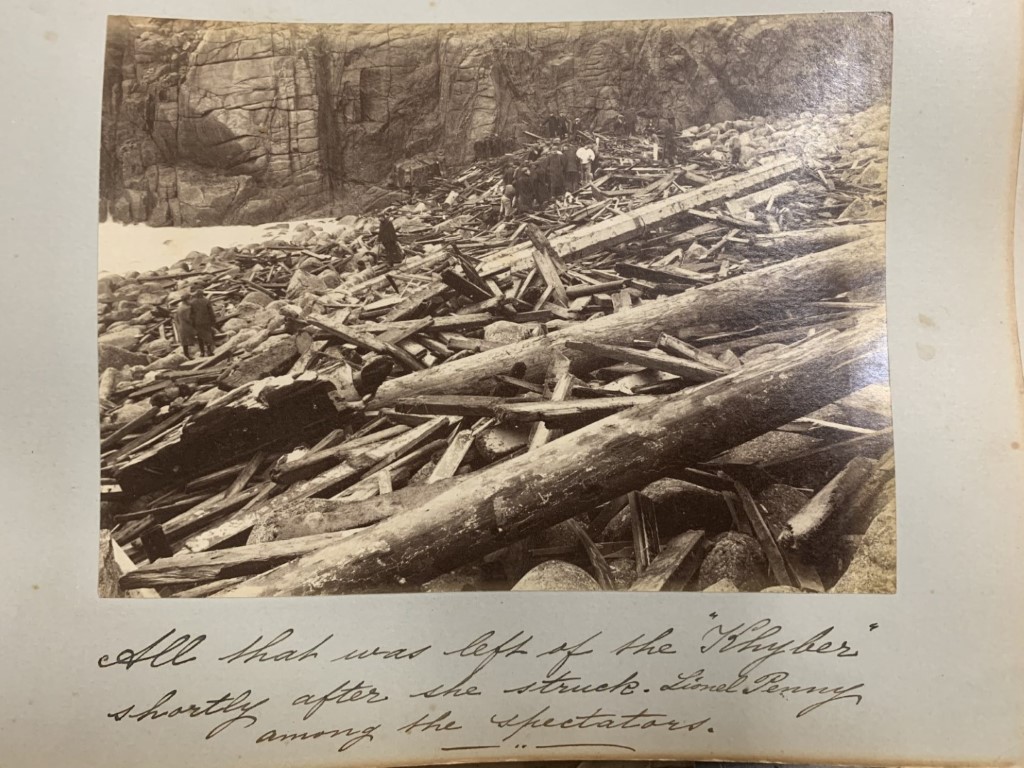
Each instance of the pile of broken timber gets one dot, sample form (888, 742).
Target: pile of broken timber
(676, 389)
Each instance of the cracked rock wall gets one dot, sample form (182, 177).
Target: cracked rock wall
(242, 123)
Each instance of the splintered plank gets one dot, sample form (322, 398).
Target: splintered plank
(666, 275)
(456, 451)
(449, 405)
(568, 410)
(772, 553)
(361, 341)
(680, 348)
(690, 370)
(625, 226)
(674, 566)
(462, 286)
(548, 263)
(197, 568)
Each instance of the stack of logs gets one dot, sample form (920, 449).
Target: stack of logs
(675, 379)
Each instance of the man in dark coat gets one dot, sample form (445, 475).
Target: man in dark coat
(556, 176)
(571, 168)
(668, 141)
(541, 187)
(387, 239)
(524, 188)
(551, 126)
(182, 319)
(203, 320)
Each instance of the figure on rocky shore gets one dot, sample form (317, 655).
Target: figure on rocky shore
(203, 320)
(387, 238)
(183, 327)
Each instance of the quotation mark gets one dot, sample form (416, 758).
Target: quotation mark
(713, 615)
(872, 627)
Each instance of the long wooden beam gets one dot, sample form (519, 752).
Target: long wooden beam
(618, 229)
(748, 300)
(507, 502)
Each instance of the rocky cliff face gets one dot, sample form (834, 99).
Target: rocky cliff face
(222, 123)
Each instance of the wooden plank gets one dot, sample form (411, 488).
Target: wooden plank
(674, 566)
(734, 300)
(776, 561)
(625, 226)
(360, 340)
(689, 370)
(568, 410)
(548, 264)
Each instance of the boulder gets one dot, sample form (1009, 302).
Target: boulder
(556, 576)
(505, 332)
(722, 585)
(125, 337)
(780, 502)
(257, 298)
(873, 567)
(303, 282)
(171, 360)
(501, 440)
(111, 356)
(108, 382)
(737, 557)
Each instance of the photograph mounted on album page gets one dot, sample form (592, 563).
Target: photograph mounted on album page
(638, 388)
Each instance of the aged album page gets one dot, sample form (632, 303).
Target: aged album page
(585, 381)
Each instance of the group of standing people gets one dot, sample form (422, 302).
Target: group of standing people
(548, 174)
(194, 321)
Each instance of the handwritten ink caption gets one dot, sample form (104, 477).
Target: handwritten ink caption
(509, 690)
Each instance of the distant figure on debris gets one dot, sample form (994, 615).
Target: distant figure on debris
(629, 122)
(524, 189)
(387, 239)
(551, 126)
(618, 126)
(183, 327)
(585, 155)
(203, 320)
(577, 130)
(571, 168)
(541, 185)
(668, 141)
(564, 126)
(556, 172)
(508, 201)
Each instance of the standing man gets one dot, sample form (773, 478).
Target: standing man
(586, 156)
(551, 126)
(556, 177)
(182, 319)
(203, 320)
(387, 240)
(524, 188)
(668, 141)
(571, 168)
(508, 201)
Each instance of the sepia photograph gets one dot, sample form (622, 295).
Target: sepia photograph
(578, 306)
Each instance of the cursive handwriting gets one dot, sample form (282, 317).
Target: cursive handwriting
(757, 638)
(174, 652)
(568, 652)
(342, 694)
(260, 651)
(599, 719)
(767, 683)
(426, 723)
(239, 706)
(355, 736)
(482, 648)
(641, 645)
(566, 682)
